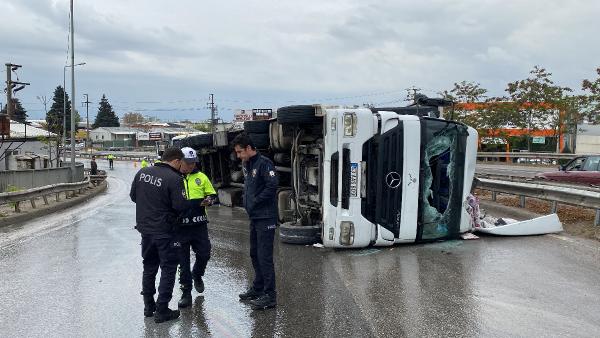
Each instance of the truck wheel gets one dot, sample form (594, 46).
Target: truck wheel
(259, 126)
(297, 115)
(280, 141)
(261, 141)
(291, 233)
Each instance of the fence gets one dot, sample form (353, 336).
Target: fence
(27, 179)
(556, 194)
(17, 197)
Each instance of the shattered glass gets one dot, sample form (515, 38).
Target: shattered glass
(440, 152)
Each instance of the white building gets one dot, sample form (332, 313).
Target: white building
(588, 139)
(28, 148)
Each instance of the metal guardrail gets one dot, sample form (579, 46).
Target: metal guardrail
(523, 179)
(556, 194)
(17, 197)
(550, 156)
(118, 157)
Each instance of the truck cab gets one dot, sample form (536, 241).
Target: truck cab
(379, 176)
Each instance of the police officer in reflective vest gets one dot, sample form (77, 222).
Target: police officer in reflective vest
(159, 196)
(194, 231)
(110, 159)
(144, 162)
(260, 201)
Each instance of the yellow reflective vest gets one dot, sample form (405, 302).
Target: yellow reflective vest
(144, 163)
(198, 186)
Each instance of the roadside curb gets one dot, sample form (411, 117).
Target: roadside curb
(43, 211)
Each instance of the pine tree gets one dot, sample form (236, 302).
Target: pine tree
(54, 117)
(106, 116)
(19, 113)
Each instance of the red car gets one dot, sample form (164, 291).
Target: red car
(580, 170)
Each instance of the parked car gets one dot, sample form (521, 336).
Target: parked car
(580, 170)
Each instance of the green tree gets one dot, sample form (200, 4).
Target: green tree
(591, 101)
(54, 116)
(539, 102)
(132, 118)
(19, 113)
(465, 96)
(106, 117)
(202, 127)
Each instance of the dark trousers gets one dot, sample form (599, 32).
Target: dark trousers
(110, 163)
(159, 251)
(196, 237)
(262, 233)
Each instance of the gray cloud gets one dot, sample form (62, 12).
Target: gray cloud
(271, 52)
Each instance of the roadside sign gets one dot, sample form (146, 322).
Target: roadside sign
(155, 136)
(539, 140)
(143, 137)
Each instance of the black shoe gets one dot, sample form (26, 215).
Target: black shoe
(264, 302)
(250, 294)
(163, 313)
(186, 299)
(199, 285)
(149, 306)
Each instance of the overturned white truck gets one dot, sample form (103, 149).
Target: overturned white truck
(354, 177)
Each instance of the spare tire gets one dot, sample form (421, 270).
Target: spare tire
(258, 126)
(260, 141)
(291, 233)
(297, 115)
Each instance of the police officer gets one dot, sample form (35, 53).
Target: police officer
(110, 159)
(260, 189)
(194, 230)
(159, 196)
(144, 162)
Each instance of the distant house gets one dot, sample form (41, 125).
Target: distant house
(135, 136)
(28, 147)
(103, 134)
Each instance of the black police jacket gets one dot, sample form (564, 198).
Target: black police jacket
(260, 188)
(159, 198)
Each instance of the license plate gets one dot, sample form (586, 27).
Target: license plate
(354, 179)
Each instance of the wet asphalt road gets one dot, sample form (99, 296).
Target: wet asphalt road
(78, 274)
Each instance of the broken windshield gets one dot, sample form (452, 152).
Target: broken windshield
(442, 169)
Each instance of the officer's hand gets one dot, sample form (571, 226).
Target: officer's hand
(206, 202)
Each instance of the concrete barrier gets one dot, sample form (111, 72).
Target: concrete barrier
(33, 178)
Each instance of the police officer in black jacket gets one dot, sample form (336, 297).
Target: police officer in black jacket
(260, 201)
(159, 196)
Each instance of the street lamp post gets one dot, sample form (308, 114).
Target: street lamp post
(64, 128)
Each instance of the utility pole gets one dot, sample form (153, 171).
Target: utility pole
(87, 120)
(72, 97)
(9, 106)
(414, 93)
(213, 114)
(10, 84)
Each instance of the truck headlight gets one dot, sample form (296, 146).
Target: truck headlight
(349, 124)
(346, 233)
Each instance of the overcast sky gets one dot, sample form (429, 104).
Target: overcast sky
(163, 58)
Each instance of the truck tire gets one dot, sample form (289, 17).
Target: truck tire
(260, 141)
(259, 126)
(297, 115)
(200, 141)
(291, 233)
(280, 141)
